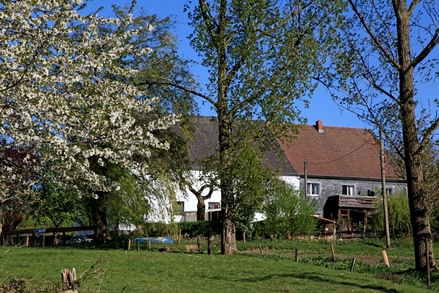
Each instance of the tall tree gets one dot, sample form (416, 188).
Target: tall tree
(260, 55)
(66, 93)
(166, 166)
(389, 56)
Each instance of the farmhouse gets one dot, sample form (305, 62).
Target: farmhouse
(341, 169)
(339, 166)
(204, 145)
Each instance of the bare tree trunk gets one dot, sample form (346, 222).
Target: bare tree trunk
(201, 208)
(98, 216)
(412, 148)
(228, 235)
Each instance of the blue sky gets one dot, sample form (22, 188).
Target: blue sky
(322, 107)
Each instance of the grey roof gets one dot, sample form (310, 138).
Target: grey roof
(206, 141)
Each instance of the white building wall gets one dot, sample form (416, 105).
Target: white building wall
(291, 180)
(190, 200)
(160, 212)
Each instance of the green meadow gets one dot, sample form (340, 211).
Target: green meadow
(274, 270)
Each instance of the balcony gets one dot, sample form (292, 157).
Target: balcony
(353, 201)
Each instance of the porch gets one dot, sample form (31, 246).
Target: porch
(351, 213)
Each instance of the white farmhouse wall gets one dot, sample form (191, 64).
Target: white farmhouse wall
(190, 200)
(293, 181)
(161, 208)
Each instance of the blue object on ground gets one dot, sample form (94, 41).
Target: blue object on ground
(154, 240)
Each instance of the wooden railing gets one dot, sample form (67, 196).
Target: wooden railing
(367, 202)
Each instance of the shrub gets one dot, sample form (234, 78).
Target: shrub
(203, 228)
(288, 214)
(399, 217)
(157, 229)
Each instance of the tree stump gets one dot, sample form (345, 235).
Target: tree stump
(68, 278)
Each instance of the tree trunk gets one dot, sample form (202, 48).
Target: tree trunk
(201, 208)
(412, 148)
(228, 235)
(99, 217)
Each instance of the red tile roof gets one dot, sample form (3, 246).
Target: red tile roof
(336, 152)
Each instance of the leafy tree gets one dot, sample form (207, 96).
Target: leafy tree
(252, 181)
(56, 206)
(167, 167)
(73, 90)
(388, 56)
(126, 205)
(261, 56)
(288, 214)
(65, 92)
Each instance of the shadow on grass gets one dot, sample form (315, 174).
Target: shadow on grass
(320, 278)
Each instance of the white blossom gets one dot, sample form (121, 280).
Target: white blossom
(56, 95)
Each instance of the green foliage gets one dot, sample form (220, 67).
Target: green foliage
(156, 229)
(127, 205)
(261, 56)
(288, 214)
(399, 217)
(57, 206)
(251, 183)
(203, 228)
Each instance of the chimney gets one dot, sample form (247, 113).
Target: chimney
(319, 126)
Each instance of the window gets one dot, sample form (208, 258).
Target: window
(313, 189)
(348, 190)
(389, 190)
(180, 208)
(214, 206)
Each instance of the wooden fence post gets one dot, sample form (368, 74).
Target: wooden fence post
(352, 264)
(129, 244)
(332, 252)
(297, 255)
(386, 260)
(260, 247)
(427, 251)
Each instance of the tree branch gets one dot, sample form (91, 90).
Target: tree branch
(268, 84)
(427, 50)
(374, 38)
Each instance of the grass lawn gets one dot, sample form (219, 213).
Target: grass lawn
(117, 270)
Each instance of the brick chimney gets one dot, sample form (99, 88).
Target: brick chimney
(319, 126)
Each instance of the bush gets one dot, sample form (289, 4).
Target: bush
(157, 229)
(288, 214)
(399, 217)
(200, 228)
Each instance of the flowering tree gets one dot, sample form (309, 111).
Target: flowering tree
(66, 93)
